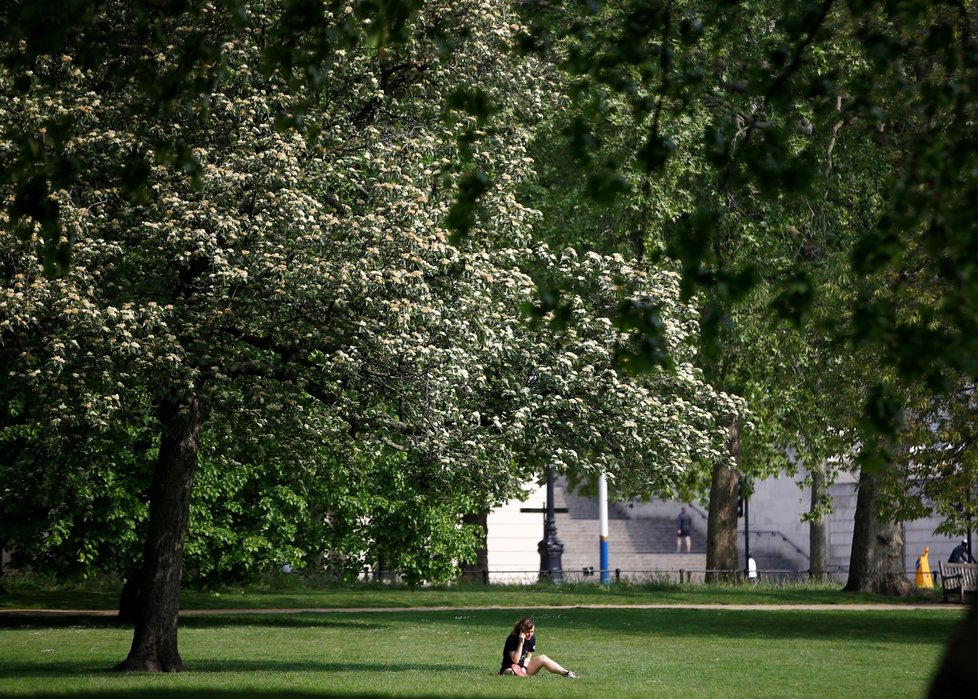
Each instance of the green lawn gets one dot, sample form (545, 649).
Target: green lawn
(298, 594)
(762, 652)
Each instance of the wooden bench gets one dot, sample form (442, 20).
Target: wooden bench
(959, 577)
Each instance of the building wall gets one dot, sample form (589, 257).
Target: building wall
(513, 537)
(776, 526)
(779, 504)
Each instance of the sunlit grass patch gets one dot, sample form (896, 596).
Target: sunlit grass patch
(452, 653)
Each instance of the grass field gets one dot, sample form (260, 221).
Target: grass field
(296, 593)
(690, 652)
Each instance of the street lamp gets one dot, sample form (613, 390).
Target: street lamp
(550, 548)
(743, 508)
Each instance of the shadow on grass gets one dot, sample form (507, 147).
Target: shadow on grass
(203, 667)
(297, 620)
(763, 623)
(28, 620)
(760, 623)
(168, 693)
(844, 625)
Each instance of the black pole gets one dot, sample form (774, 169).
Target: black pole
(551, 549)
(746, 534)
(971, 556)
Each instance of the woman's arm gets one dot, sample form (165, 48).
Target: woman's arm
(515, 655)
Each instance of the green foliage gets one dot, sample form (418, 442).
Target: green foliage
(815, 118)
(801, 163)
(812, 162)
(935, 459)
(74, 505)
(363, 372)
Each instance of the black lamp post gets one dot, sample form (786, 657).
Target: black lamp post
(550, 548)
(744, 487)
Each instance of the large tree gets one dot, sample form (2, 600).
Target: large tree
(310, 274)
(899, 71)
(301, 290)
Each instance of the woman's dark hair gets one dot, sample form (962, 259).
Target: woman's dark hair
(524, 625)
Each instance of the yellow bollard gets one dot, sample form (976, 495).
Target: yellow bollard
(923, 578)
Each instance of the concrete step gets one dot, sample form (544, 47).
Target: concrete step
(584, 506)
(642, 546)
(635, 535)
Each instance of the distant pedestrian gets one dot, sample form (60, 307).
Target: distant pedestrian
(684, 531)
(961, 554)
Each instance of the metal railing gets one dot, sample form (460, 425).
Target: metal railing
(590, 574)
(778, 534)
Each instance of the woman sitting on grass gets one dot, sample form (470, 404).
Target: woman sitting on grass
(518, 653)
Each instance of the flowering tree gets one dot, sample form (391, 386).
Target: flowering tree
(299, 296)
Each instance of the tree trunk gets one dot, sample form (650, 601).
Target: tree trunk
(380, 573)
(154, 642)
(863, 534)
(876, 561)
(721, 527)
(818, 555)
(131, 600)
(318, 518)
(478, 570)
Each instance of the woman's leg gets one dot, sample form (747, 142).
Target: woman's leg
(542, 661)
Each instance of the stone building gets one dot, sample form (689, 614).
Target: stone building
(642, 536)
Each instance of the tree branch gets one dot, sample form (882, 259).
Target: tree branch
(290, 358)
(835, 133)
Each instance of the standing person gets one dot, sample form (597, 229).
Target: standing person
(960, 554)
(518, 653)
(684, 531)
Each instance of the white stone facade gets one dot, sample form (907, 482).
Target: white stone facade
(776, 529)
(513, 537)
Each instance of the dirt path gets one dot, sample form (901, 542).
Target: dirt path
(366, 610)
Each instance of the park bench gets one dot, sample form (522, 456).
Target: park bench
(959, 577)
